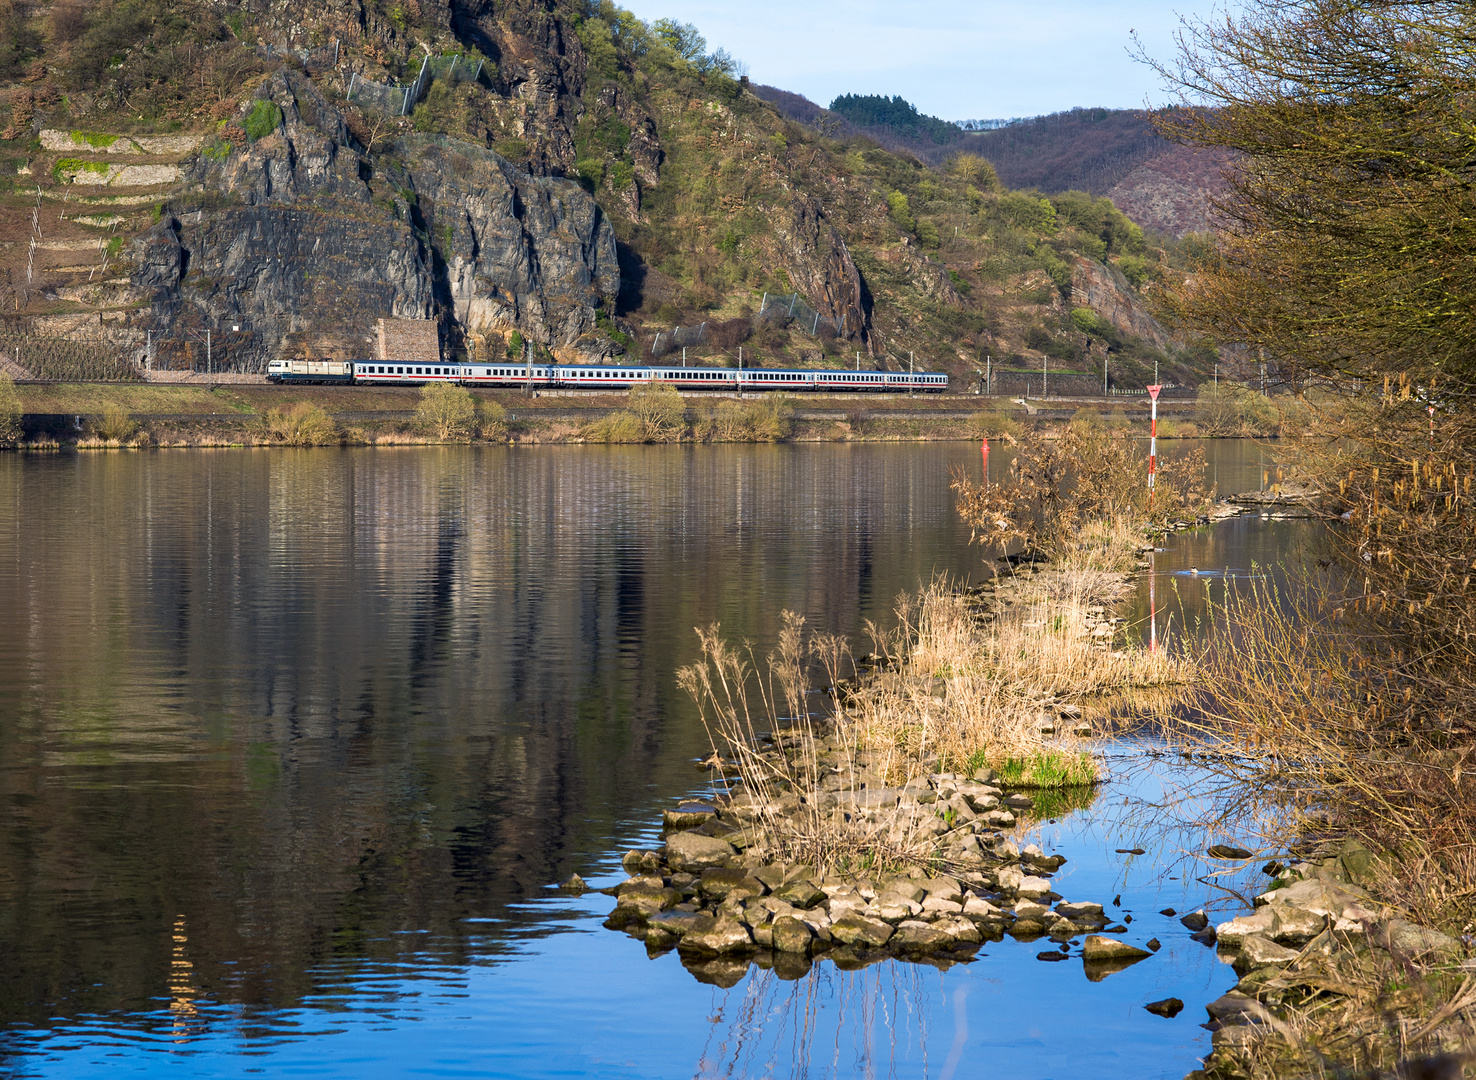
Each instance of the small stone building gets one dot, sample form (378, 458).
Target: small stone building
(409, 341)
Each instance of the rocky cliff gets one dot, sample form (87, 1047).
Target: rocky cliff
(305, 239)
(555, 168)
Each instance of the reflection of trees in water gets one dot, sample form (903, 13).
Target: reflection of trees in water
(307, 699)
(803, 1021)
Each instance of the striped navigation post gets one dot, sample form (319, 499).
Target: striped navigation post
(1153, 443)
(986, 462)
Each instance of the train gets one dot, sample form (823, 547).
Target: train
(590, 377)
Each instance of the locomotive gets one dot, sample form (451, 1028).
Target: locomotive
(589, 377)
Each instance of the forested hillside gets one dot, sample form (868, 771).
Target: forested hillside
(1114, 152)
(555, 173)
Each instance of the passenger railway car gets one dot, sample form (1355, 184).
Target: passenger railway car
(588, 377)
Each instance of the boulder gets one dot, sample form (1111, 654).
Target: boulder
(574, 884)
(1081, 912)
(859, 930)
(904, 889)
(638, 882)
(689, 815)
(676, 923)
(1408, 939)
(1018, 801)
(718, 883)
(1031, 886)
(1195, 920)
(940, 906)
(694, 852)
(790, 935)
(978, 908)
(1317, 896)
(803, 894)
(1256, 951)
(915, 936)
(960, 931)
(641, 862)
(716, 936)
(1168, 1007)
(1294, 926)
(1232, 932)
(1097, 947)
(998, 819)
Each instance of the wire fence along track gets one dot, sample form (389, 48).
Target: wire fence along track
(792, 310)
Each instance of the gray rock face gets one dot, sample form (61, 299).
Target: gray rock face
(720, 884)
(915, 936)
(304, 242)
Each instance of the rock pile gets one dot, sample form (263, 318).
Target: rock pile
(710, 893)
(1314, 934)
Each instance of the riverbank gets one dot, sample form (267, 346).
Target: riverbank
(888, 826)
(894, 827)
(231, 415)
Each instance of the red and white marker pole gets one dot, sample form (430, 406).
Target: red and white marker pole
(985, 452)
(1153, 442)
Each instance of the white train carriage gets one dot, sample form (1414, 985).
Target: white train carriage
(593, 377)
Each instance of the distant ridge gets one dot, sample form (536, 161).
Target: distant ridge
(1112, 152)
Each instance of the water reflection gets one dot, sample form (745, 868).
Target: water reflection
(291, 743)
(293, 703)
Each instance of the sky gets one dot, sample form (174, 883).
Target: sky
(980, 60)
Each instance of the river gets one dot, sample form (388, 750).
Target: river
(293, 743)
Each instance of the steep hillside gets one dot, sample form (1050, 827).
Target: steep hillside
(236, 181)
(1114, 152)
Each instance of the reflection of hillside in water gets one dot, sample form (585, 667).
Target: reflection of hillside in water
(301, 702)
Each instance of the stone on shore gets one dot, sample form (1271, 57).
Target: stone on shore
(716, 936)
(1406, 938)
(1256, 951)
(915, 936)
(574, 884)
(694, 852)
(689, 815)
(720, 883)
(860, 930)
(1097, 947)
(791, 935)
(1232, 932)
(1195, 920)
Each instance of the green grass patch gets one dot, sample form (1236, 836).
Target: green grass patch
(1041, 769)
(65, 167)
(262, 120)
(95, 139)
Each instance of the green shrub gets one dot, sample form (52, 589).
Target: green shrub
(770, 419)
(617, 427)
(10, 412)
(303, 424)
(262, 120)
(492, 421)
(515, 345)
(661, 411)
(994, 424)
(114, 425)
(901, 213)
(447, 411)
(1234, 410)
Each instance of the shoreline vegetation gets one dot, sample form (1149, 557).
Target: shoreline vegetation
(95, 417)
(894, 822)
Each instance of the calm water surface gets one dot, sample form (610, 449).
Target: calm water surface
(292, 744)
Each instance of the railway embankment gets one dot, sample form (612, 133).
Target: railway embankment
(226, 414)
